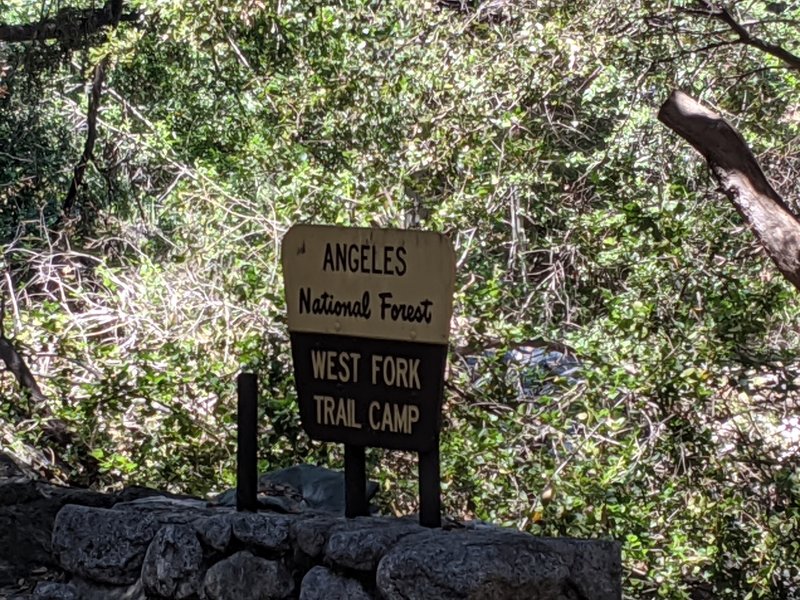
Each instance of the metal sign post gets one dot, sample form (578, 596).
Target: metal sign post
(430, 488)
(369, 320)
(247, 431)
(355, 482)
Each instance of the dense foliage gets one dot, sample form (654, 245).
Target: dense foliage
(523, 130)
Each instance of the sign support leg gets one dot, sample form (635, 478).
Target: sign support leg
(430, 501)
(246, 435)
(355, 481)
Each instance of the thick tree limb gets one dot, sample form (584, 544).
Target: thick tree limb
(53, 428)
(15, 363)
(740, 177)
(20, 370)
(70, 26)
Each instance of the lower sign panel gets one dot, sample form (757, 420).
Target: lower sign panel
(369, 392)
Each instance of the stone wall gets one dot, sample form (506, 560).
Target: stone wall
(167, 548)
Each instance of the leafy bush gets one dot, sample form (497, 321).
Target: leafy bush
(525, 132)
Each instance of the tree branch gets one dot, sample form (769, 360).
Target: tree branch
(744, 36)
(15, 363)
(740, 177)
(91, 136)
(69, 25)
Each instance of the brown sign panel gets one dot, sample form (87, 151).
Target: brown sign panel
(367, 392)
(369, 317)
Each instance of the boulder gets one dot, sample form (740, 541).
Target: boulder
(323, 584)
(310, 535)
(28, 510)
(173, 563)
(244, 576)
(168, 510)
(50, 590)
(81, 589)
(499, 565)
(360, 543)
(300, 487)
(104, 545)
(215, 531)
(262, 531)
(320, 487)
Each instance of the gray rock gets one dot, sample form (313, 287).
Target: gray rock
(317, 488)
(360, 543)
(321, 488)
(215, 532)
(500, 565)
(531, 370)
(279, 497)
(322, 584)
(27, 512)
(166, 504)
(244, 576)
(173, 562)
(168, 510)
(18, 490)
(136, 492)
(90, 590)
(50, 590)
(310, 535)
(105, 545)
(262, 531)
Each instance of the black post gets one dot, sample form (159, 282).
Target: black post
(355, 481)
(246, 459)
(430, 501)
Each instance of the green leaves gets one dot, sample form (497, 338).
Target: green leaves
(529, 138)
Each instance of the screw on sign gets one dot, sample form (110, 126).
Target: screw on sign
(369, 319)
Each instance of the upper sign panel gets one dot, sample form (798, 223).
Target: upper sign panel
(376, 283)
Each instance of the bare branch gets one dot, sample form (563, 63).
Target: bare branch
(722, 14)
(91, 136)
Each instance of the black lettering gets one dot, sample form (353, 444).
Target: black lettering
(328, 260)
(425, 307)
(400, 253)
(376, 268)
(327, 304)
(387, 259)
(409, 313)
(364, 258)
(385, 304)
(305, 300)
(341, 257)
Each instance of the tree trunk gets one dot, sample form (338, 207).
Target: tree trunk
(740, 177)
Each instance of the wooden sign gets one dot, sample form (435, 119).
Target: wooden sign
(369, 319)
